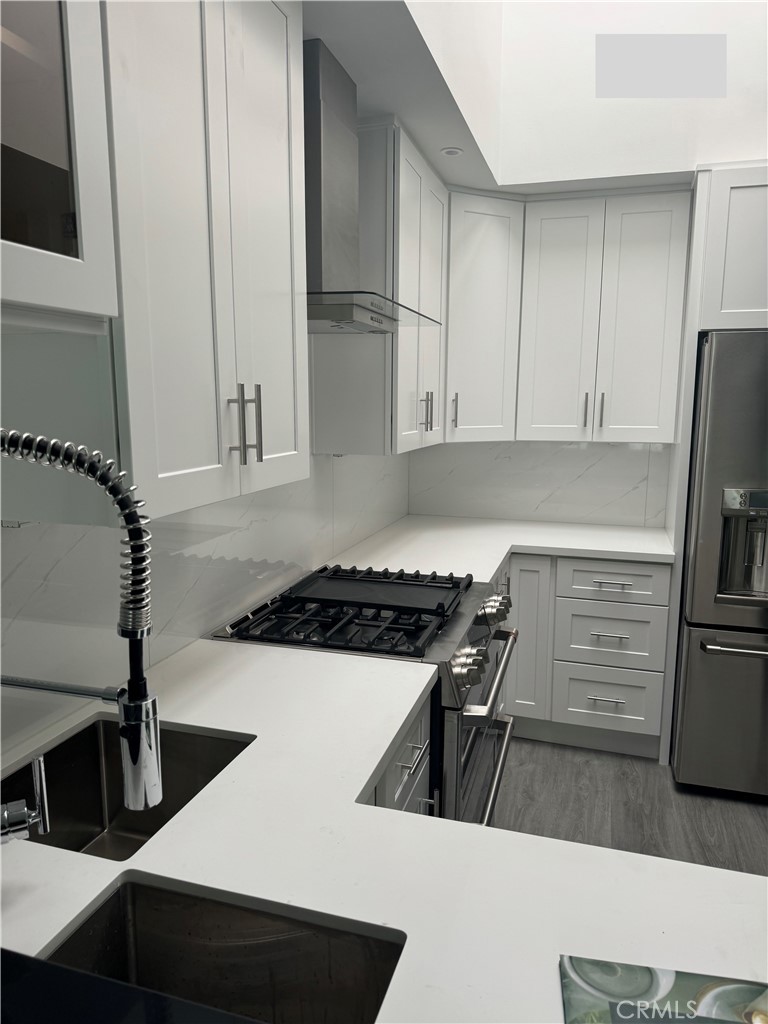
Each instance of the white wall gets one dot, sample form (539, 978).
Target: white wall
(465, 40)
(554, 128)
(523, 76)
(579, 482)
(60, 583)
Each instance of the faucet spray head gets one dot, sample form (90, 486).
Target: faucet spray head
(140, 752)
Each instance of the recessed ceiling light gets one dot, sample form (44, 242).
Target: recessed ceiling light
(451, 151)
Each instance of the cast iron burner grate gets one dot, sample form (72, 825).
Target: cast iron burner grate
(371, 610)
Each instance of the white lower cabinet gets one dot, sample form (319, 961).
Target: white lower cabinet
(527, 684)
(419, 800)
(607, 698)
(404, 784)
(613, 581)
(608, 633)
(596, 659)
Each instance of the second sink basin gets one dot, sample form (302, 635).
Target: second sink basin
(242, 959)
(85, 787)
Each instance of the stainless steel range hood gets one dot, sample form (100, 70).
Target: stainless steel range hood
(359, 313)
(335, 302)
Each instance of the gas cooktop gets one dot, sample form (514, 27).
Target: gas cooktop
(369, 610)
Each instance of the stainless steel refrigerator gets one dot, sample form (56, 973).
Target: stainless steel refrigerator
(721, 731)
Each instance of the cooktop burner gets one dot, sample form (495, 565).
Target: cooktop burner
(355, 609)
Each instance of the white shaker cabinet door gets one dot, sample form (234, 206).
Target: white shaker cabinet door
(266, 161)
(432, 301)
(562, 262)
(528, 682)
(735, 293)
(486, 243)
(421, 208)
(410, 412)
(641, 317)
(174, 339)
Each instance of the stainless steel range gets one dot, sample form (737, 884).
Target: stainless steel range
(448, 621)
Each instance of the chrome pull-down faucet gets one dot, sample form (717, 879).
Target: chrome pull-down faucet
(139, 723)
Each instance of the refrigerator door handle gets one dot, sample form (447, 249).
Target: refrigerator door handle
(747, 652)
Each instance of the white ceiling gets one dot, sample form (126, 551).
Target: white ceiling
(381, 49)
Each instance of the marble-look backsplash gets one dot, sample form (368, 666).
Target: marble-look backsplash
(579, 482)
(60, 582)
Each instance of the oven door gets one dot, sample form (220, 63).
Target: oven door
(476, 741)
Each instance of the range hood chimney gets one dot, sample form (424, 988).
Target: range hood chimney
(335, 304)
(330, 161)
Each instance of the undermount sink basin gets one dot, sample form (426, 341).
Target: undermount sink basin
(85, 787)
(237, 958)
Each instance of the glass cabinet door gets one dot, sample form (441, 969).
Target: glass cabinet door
(57, 221)
(38, 196)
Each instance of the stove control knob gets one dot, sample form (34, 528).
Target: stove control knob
(466, 673)
(486, 614)
(478, 654)
(493, 610)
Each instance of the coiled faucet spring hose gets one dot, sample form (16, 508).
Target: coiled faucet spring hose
(134, 622)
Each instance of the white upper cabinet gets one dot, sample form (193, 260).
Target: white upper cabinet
(266, 174)
(641, 315)
(421, 253)
(175, 335)
(562, 265)
(208, 178)
(603, 293)
(58, 242)
(486, 249)
(379, 394)
(735, 293)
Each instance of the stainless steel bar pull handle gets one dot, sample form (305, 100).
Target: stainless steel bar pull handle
(610, 636)
(616, 583)
(747, 652)
(586, 408)
(602, 407)
(431, 410)
(243, 447)
(456, 409)
(607, 700)
(425, 422)
(414, 766)
(259, 446)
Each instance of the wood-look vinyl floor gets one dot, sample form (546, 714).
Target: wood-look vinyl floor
(628, 803)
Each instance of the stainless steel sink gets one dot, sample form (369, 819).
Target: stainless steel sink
(85, 788)
(241, 959)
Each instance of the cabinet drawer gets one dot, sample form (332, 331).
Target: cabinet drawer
(603, 633)
(632, 582)
(607, 698)
(398, 781)
(419, 792)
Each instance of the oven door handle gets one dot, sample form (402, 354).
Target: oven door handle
(490, 801)
(746, 652)
(485, 712)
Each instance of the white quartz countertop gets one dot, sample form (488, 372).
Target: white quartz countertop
(486, 912)
(443, 544)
